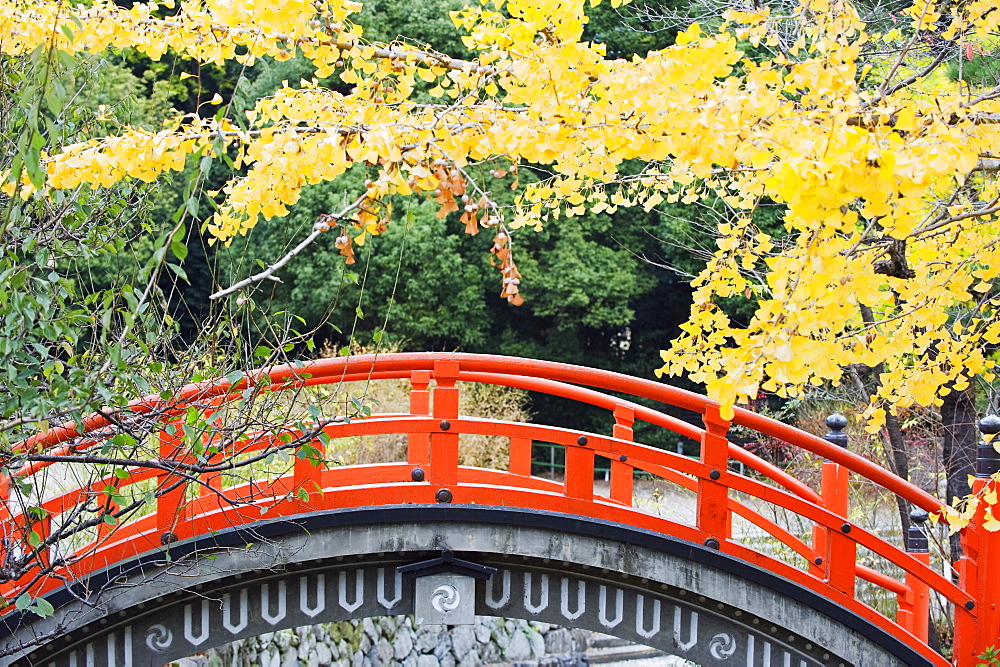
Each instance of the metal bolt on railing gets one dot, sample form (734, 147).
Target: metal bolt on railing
(987, 457)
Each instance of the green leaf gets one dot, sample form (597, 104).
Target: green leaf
(22, 601)
(123, 439)
(42, 607)
(179, 249)
(177, 245)
(34, 539)
(181, 273)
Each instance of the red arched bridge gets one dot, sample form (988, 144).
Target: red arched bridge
(174, 553)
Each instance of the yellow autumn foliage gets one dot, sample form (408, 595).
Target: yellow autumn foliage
(892, 236)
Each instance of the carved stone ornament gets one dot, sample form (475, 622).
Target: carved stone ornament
(445, 599)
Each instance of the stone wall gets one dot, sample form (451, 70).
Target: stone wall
(392, 640)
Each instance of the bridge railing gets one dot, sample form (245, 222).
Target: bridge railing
(187, 495)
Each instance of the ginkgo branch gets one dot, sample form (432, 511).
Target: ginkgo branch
(945, 220)
(268, 273)
(900, 59)
(417, 56)
(916, 76)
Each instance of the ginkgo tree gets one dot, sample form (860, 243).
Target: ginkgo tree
(890, 250)
(889, 203)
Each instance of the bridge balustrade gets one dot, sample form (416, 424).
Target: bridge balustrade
(182, 505)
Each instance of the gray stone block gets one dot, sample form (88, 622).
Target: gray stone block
(383, 651)
(428, 661)
(402, 643)
(519, 647)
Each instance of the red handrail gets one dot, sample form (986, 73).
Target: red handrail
(708, 477)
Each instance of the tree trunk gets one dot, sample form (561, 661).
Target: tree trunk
(958, 447)
(892, 434)
(893, 437)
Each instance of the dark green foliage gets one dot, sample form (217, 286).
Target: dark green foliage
(625, 34)
(417, 22)
(65, 349)
(595, 288)
(981, 71)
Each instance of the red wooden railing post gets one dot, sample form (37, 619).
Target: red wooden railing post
(622, 476)
(967, 618)
(214, 480)
(713, 496)
(579, 481)
(108, 507)
(43, 526)
(444, 441)
(914, 608)
(169, 505)
(841, 551)
(305, 472)
(834, 489)
(977, 568)
(5, 516)
(419, 444)
(520, 456)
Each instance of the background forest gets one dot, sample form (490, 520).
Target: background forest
(600, 290)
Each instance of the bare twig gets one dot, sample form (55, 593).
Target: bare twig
(268, 273)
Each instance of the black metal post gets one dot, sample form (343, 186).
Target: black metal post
(987, 457)
(916, 538)
(836, 423)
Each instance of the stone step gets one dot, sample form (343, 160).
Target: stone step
(663, 661)
(610, 651)
(598, 640)
(623, 653)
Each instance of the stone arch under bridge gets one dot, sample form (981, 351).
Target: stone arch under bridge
(680, 597)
